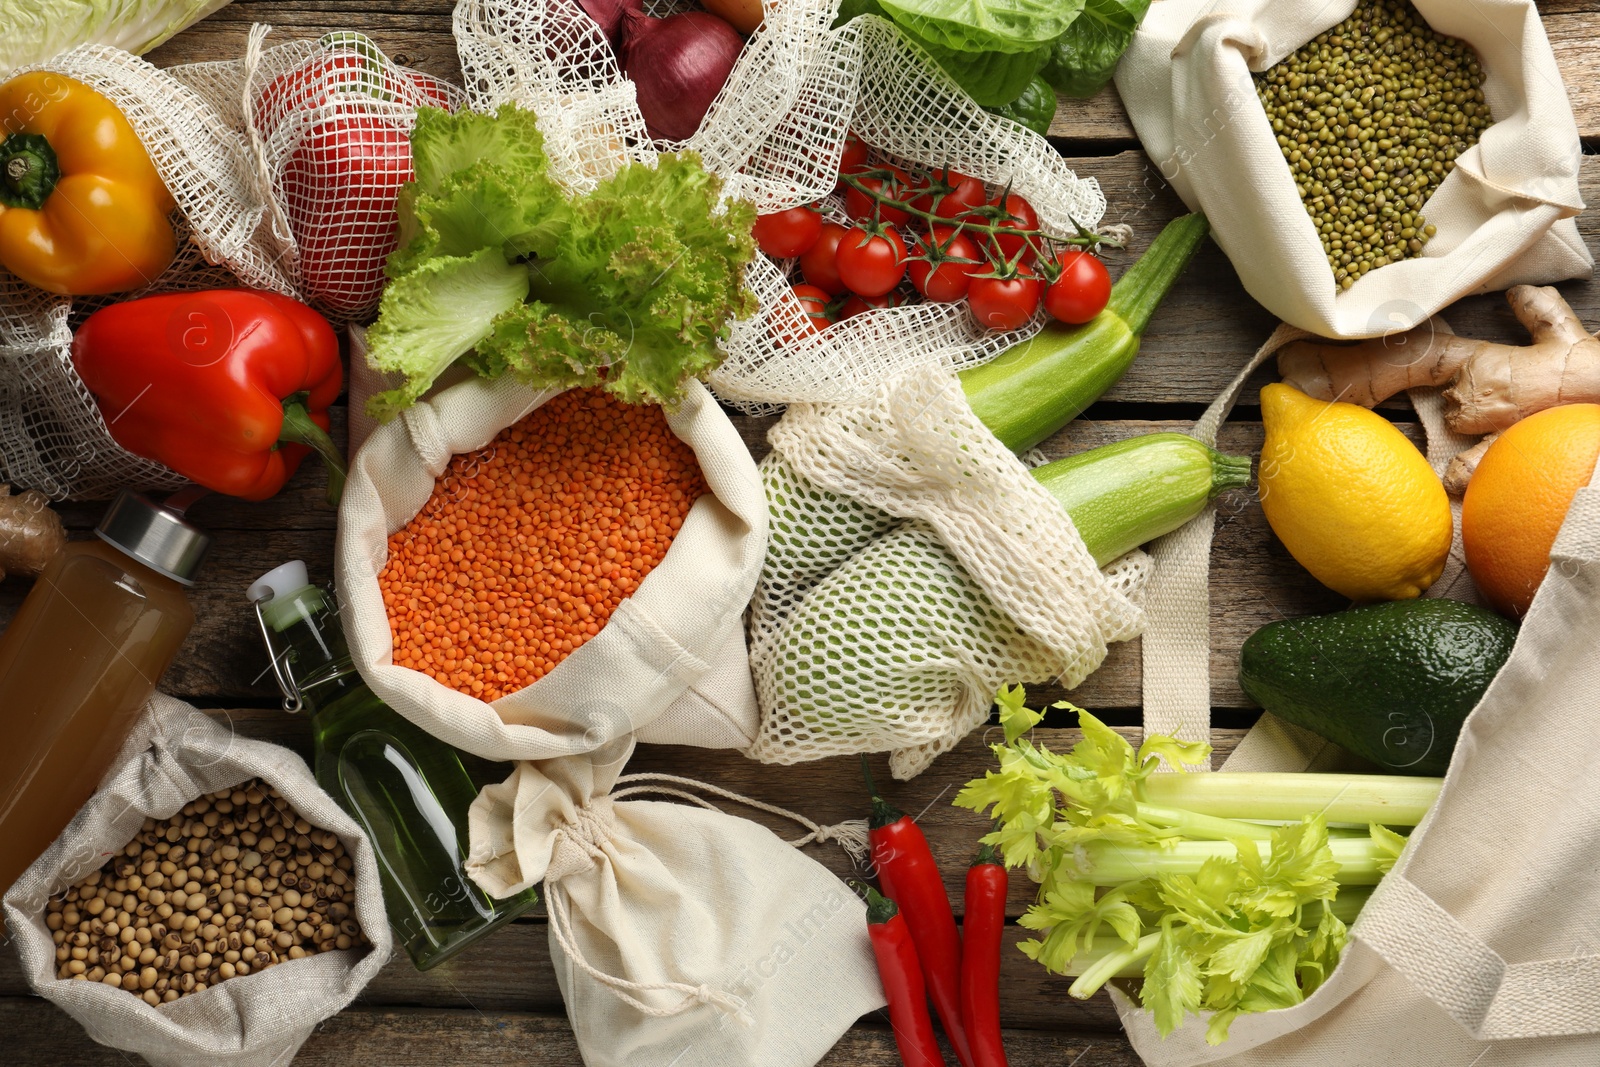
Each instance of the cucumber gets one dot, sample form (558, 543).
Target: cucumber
(1390, 682)
(1031, 391)
(1124, 494)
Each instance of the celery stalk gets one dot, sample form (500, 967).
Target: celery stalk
(1391, 800)
(1106, 863)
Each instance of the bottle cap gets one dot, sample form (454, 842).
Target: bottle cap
(279, 581)
(155, 536)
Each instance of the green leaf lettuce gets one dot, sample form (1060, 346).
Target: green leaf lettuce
(629, 286)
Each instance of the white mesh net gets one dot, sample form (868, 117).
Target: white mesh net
(330, 123)
(52, 435)
(914, 566)
(775, 134)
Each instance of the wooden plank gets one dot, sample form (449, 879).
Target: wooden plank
(417, 33)
(42, 1036)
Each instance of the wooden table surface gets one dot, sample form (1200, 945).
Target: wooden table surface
(499, 1002)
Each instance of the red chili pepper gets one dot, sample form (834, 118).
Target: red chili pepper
(908, 873)
(982, 927)
(228, 387)
(902, 982)
(349, 162)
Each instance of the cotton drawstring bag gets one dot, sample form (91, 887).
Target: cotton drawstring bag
(52, 435)
(257, 1020)
(1479, 946)
(680, 934)
(670, 662)
(1504, 215)
(915, 567)
(774, 136)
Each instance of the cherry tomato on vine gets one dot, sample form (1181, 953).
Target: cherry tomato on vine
(789, 326)
(860, 206)
(858, 304)
(944, 282)
(786, 234)
(967, 194)
(1005, 303)
(818, 264)
(1019, 215)
(871, 264)
(1082, 290)
(855, 154)
(940, 182)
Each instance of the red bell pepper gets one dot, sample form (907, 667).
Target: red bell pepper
(340, 180)
(228, 387)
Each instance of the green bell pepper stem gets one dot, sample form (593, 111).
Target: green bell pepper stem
(29, 171)
(300, 430)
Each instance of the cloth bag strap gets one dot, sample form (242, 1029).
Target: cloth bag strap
(1453, 967)
(1177, 598)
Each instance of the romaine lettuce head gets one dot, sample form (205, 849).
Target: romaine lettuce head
(32, 31)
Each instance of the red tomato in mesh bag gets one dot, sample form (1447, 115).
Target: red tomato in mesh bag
(344, 150)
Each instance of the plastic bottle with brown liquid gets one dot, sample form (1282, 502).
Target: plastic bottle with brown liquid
(78, 662)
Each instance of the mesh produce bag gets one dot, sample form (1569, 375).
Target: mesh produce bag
(257, 1020)
(775, 135)
(329, 123)
(52, 435)
(914, 567)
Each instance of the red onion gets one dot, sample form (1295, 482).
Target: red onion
(678, 65)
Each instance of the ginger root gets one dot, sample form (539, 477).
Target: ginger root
(1464, 464)
(30, 533)
(1494, 384)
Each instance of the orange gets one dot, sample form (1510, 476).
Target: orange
(1518, 498)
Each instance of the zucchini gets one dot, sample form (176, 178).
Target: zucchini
(1031, 391)
(1124, 494)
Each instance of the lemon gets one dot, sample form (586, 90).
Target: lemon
(1350, 498)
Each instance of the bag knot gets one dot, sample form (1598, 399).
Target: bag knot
(581, 840)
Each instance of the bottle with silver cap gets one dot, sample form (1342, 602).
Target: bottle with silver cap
(78, 662)
(409, 791)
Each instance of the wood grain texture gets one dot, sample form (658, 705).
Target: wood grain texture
(417, 33)
(424, 1037)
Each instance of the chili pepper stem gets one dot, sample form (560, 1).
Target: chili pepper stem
(883, 813)
(31, 171)
(299, 429)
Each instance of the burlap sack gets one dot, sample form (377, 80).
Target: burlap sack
(256, 1020)
(680, 934)
(669, 664)
(1504, 215)
(915, 568)
(52, 434)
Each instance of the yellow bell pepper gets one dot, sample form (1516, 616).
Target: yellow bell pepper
(82, 209)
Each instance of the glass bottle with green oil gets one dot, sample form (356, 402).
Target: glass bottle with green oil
(409, 791)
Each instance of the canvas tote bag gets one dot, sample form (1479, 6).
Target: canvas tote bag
(1482, 946)
(1504, 215)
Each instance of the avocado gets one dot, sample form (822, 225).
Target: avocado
(1390, 682)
